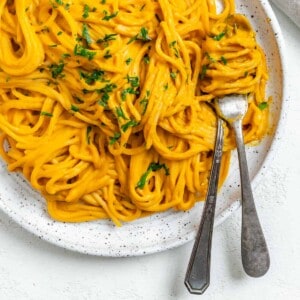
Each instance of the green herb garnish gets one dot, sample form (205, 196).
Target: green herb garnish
(144, 102)
(81, 51)
(107, 17)
(104, 100)
(47, 114)
(220, 36)
(211, 59)
(173, 75)
(172, 46)
(65, 55)
(146, 59)
(120, 113)
(56, 70)
(86, 10)
(90, 78)
(263, 105)
(74, 108)
(141, 36)
(107, 54)
(133, 80)
(223, 60)
(86, 34)
(60, 2)
(88, 131)
(106, 39)
(129, 90)
(130, 123)
(113, 139)
(203, 71)
(153, 167)
(105, 94)
(128, 60)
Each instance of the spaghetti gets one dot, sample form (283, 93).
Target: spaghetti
(105, 106)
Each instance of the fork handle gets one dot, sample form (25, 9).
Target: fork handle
(255, 255)
(198, 271)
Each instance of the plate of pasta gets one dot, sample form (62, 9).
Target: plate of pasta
(107, 122)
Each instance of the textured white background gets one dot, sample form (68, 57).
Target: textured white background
(33, 269)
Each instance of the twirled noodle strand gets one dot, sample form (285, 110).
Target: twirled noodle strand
(106, 106)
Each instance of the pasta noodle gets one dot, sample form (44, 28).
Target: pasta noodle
(106, 106)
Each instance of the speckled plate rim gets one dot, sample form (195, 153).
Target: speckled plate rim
(164, 243)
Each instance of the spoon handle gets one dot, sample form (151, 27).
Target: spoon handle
(255, 255)
(198, 272)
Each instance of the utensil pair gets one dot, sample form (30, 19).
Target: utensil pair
(255, 255)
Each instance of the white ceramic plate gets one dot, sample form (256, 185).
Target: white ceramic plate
(166, 230)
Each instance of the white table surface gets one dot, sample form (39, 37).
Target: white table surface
(33, 269)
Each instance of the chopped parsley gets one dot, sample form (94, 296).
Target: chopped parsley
(218, 37)
(65, 55)
(173, 75)
(129, 90)
(86, 10)
(120, 113)
(133, 80)
(107, 54)
(223, 60)
(86, 34)
(47, 114)
(146, 59)
(104, 100)
(128, 60)
(153, 167)
(107, 89)
(107, 17)
(130, 123)
(133, 89)
(203, 71)
(105, 94)
(90, 78)
(144, 102)
(56, 70)
(113, 139)
(60, 2)
(74, 108)
(211, 59)
(88, 131)
(263, 105)
(107, 37)
(81, 51)
(172, 45)
(141, 36)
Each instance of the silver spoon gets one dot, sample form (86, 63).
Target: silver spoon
(198, 272)
(255, 255)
